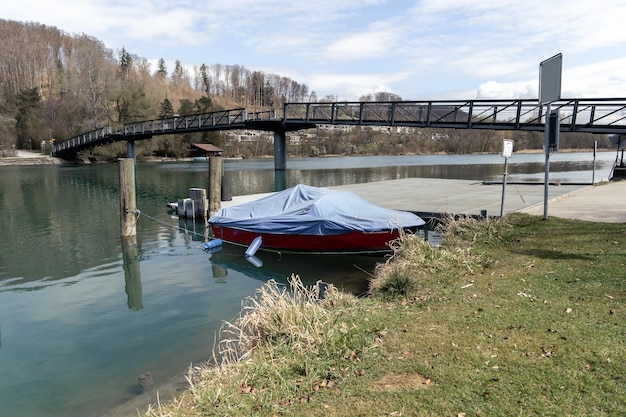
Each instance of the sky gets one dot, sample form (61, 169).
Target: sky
(417, 49)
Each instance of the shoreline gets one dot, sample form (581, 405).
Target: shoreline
(25, 157)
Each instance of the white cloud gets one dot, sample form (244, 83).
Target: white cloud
(516, 90)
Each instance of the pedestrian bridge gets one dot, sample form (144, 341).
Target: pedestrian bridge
(601, 115)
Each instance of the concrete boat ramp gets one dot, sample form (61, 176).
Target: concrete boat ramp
(433, 197)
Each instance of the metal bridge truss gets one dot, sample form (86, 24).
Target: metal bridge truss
(606, 116)
(218, 120)
(576, 115)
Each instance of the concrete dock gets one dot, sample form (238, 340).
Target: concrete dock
(432, 197)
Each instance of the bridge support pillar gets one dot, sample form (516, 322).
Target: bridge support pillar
(280, 160)
(130, 149)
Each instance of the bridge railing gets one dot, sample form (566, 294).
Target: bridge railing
(95, 136)
(262, 115)
(223, 119)
(584, 115)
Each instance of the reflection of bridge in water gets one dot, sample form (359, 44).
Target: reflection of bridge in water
(600, 115)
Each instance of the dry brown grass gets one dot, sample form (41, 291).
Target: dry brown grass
(283, 325)
(416, 268)
(276, 313)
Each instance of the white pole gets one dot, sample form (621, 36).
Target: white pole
(546, 150)
(504, 175)
(593, 174)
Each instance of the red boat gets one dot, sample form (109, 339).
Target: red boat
(310, 219)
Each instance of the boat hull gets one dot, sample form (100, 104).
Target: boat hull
(349, 242)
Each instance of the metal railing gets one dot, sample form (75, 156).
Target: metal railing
(575, 115)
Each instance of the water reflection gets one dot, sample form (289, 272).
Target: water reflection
(132, 273)
(344, 271)
(196, 229)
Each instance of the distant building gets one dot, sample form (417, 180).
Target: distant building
(205, 149)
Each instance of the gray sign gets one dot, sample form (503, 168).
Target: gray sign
(550, 79)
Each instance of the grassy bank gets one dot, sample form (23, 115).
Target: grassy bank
(518, 316)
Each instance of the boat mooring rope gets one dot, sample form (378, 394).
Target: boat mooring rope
(518, 192)
(139, 213)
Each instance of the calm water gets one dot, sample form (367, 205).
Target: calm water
(83, 315)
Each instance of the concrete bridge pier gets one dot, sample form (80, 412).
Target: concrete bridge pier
(280, 160)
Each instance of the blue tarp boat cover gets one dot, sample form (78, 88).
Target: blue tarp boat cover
(308, 210)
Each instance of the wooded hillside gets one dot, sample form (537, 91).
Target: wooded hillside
(55, 85)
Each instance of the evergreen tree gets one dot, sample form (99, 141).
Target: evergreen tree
(29, 118)
(204, 104)
(166, 109)
(186, 107)
(206, 81)
(178, 75)
(126, 64)
(161, 68)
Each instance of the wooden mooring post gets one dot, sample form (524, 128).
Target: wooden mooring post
(200, 204)
(128, 203)
(132, 273)
(216, 168)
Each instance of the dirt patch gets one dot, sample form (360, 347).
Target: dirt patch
(401, 382)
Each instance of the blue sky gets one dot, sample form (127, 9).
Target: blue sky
(418, 49)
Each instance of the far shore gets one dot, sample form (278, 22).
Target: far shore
(27, 157)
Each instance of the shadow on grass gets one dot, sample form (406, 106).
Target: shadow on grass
(554, 254)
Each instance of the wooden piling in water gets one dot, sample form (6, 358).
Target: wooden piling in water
(128, 204)
(216, 165)
(198, 195)
(132, 273)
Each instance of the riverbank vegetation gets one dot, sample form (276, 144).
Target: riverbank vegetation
(56, 85)
(515, 316)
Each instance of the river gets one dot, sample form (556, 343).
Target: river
(83, 316)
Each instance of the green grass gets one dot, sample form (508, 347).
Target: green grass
(516, 317)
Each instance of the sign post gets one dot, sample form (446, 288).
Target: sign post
(507, 151)
(549, 91)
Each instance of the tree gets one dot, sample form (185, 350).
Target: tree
(256, 86)
(161, 68)
(268, 95)
(166, 109)
(386, 96)
(204, 104)
(131, 104)
(93, 67)
(235, 82)
(29, 118)
(179, 75)
(217, 79)
(126, 64)
(205, 79)
(186, 106)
